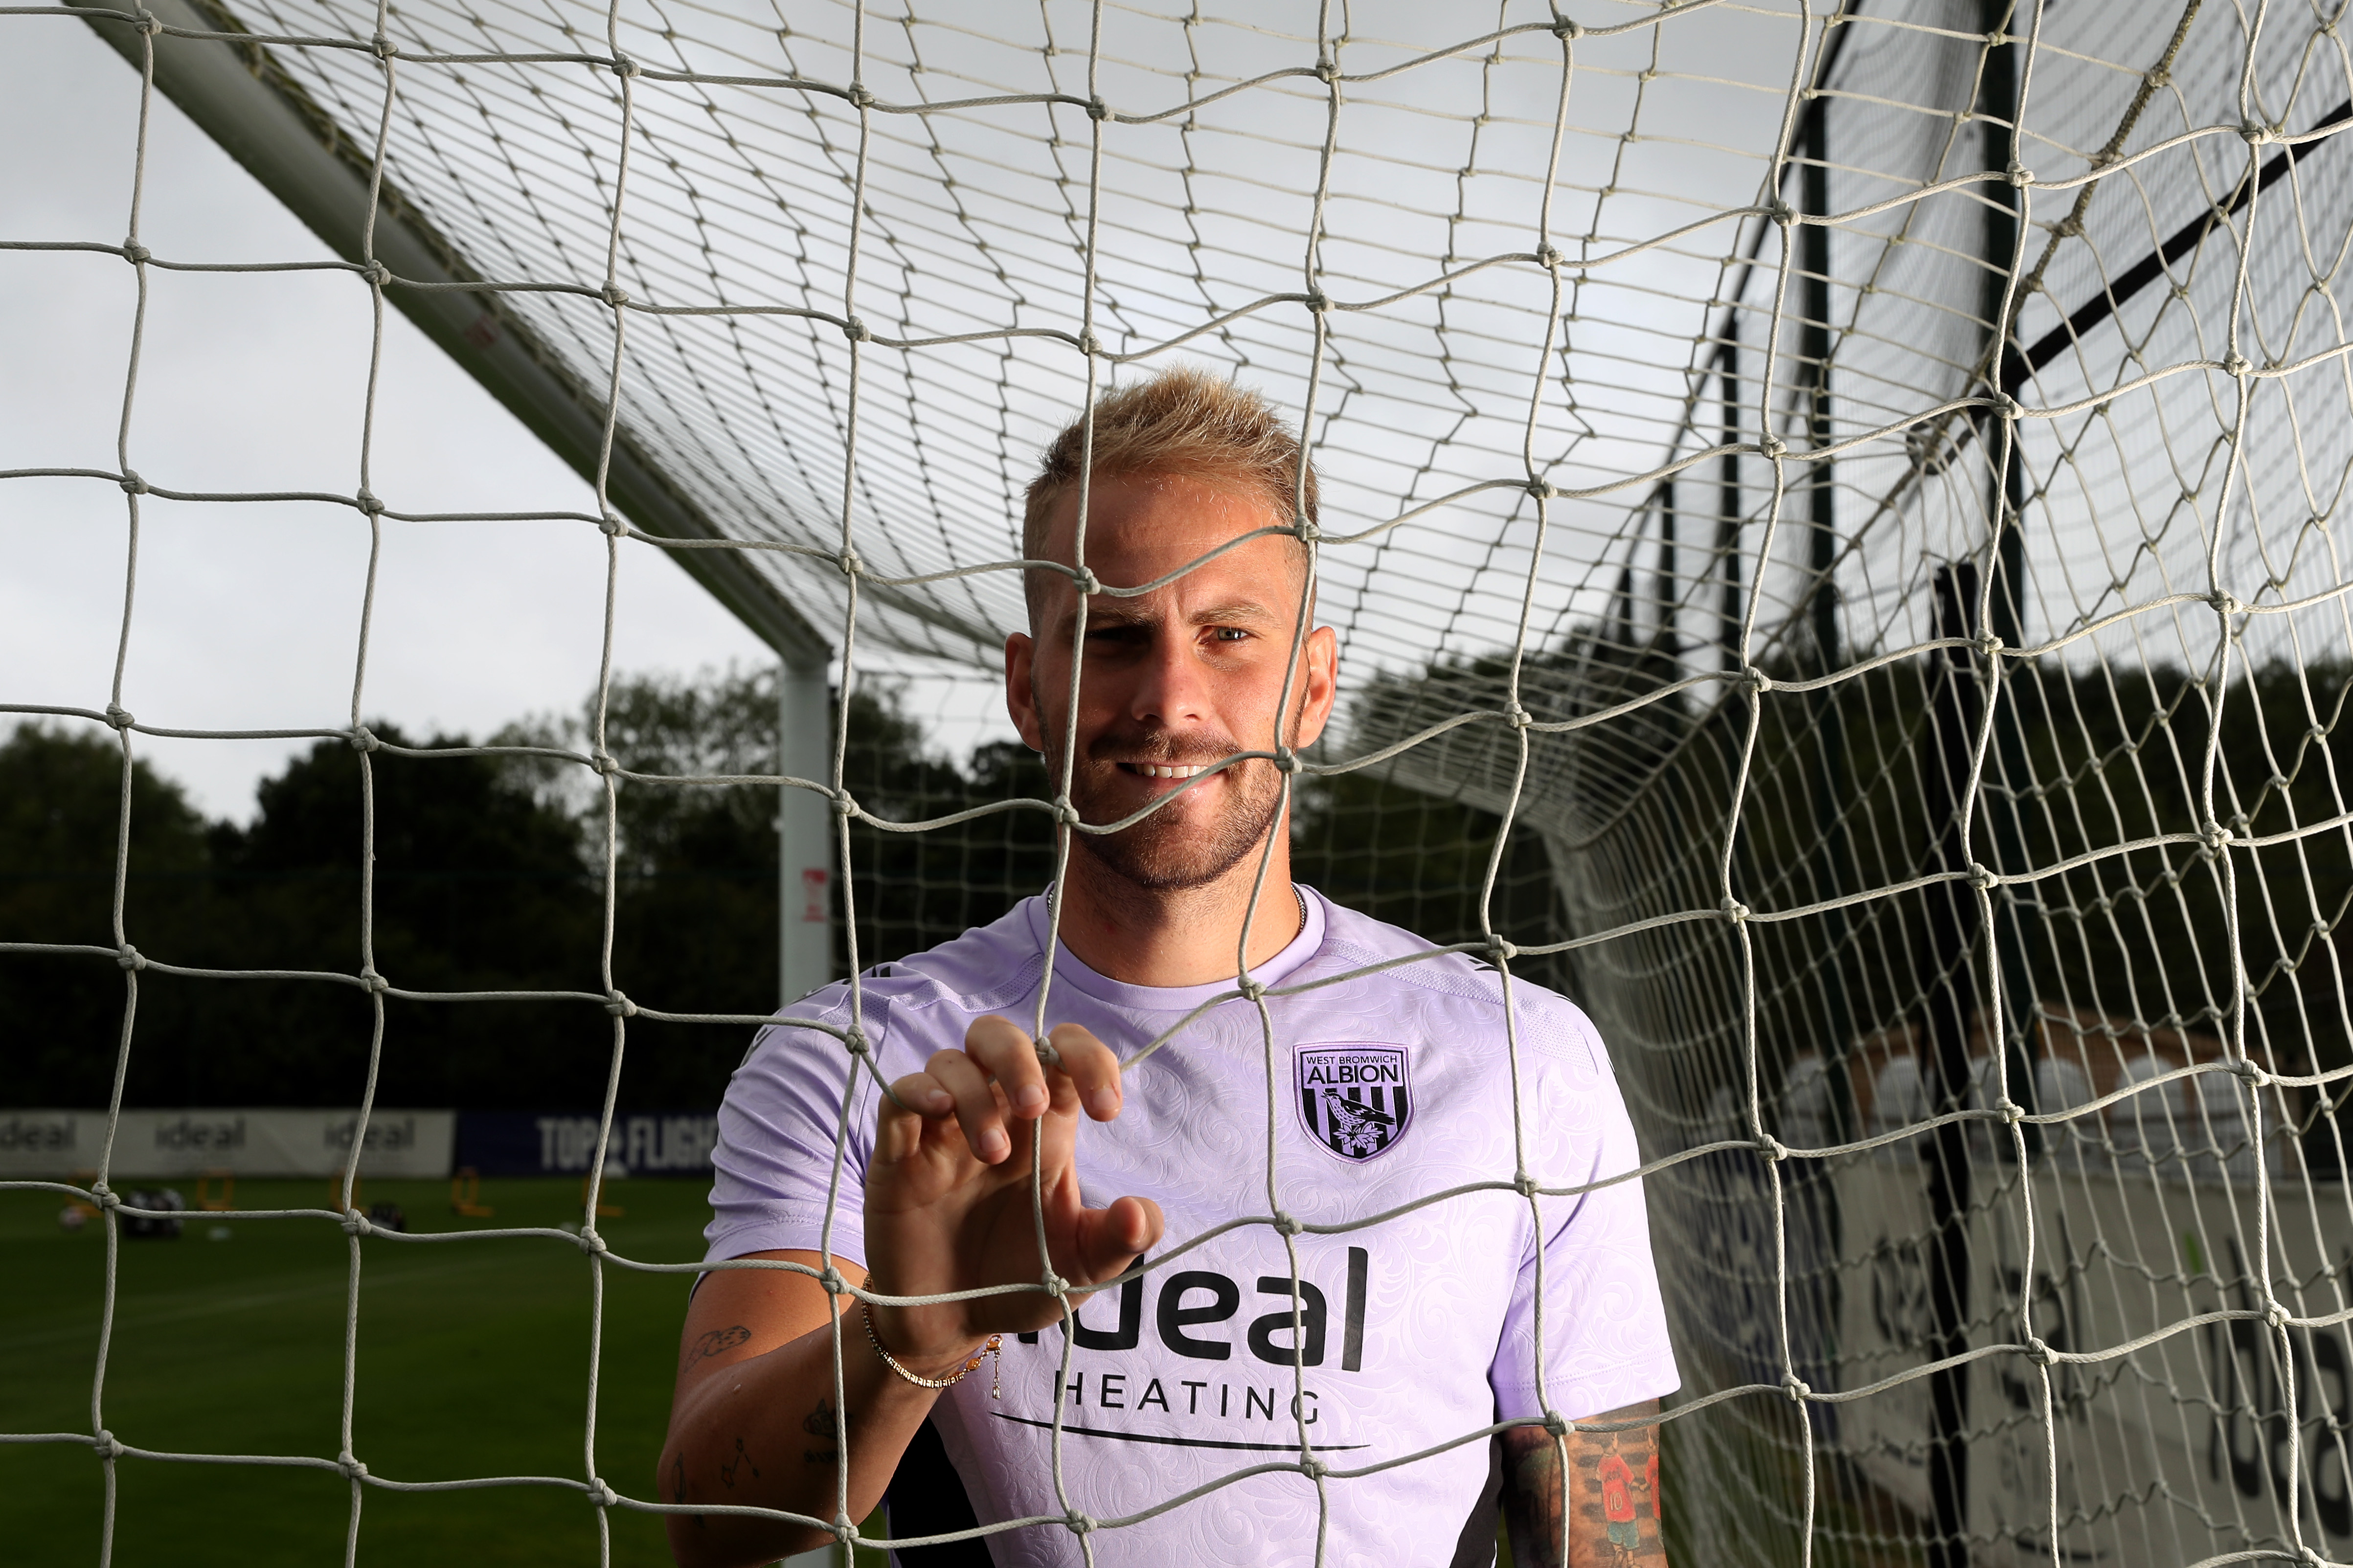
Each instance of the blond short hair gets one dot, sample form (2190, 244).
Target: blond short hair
(1183, 423)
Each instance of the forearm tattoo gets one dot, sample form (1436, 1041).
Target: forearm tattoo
(1595, 1493)
(821, 1425)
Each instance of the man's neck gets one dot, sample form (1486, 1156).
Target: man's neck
(1185, 936)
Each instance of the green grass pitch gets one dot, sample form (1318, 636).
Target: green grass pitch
(473, 1361)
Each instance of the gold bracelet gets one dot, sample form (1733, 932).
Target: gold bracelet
(993, 1350)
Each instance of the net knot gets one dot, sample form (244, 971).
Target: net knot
(1990, 644)
(1286, 760)
(135, 253)
(120, 717)
(104, 1197)
(1089, 345)
(1079, 1524)
(1549, 255)
(592, 1240)
(1519, 717)
(1054, 1285)
(1253, 990)
(107, 1446)
(619, 1005)
(2276, 1317)
(835, 1285)
(149, 24)
(2225, 602)
(368, 502)
(372, 982)
(1501, 949)
(2018, 174)
(858, 95)
(2038, 1350)
(131, 483)
(1772, 446)
(855, 1041)
(1288, 1224)
(2004, 405)
(2255, 134)
(1085, 580)
(1524, 1184)
(603, 761)
(2010, 1111)
(362, 739)
(849, 560)
(612, 526)
(2252, 1076)
(601, 1493)
(376, 273)
(1794, 1387)
(1555, 1423)
(1779, 211)
(614, 295)
(1542, 489)
(844, 803)
(624, 66)
(1047, 1054)
(130, 957)
(1097, 109)
(1065, 814)
(350, 1464)
(2214, 837)
(855, 330)
(1306, 531)
(1327, 72)
(384, 47)
(1756, 680)
(1771, 1148)
(1314, 1469)
(1568, 29)
(354, 1222)
(1735, 910)
(1983, 878)
(1317, 300)
(2235, 364)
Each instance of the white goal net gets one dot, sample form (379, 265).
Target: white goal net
(1833, 517)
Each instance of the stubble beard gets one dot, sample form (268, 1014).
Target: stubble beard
(1172, 850)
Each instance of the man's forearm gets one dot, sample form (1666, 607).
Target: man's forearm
(770, 1432)
(1589, 1500)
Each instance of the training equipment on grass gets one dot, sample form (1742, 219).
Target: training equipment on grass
(1834, 519)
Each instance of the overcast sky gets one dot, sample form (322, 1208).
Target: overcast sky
(248, 615)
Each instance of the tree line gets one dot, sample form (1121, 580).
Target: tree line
(489, 877)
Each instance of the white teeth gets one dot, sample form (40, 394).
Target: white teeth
(1163, 771)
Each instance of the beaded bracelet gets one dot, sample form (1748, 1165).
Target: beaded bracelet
(993, 1350)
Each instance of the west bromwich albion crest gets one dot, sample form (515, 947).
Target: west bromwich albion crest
(1353, 1099)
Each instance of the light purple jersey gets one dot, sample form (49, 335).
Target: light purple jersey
(1382, 1090)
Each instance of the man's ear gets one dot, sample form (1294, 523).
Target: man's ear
(1022, 691)
(1319, 685)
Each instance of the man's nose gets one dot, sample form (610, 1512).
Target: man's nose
(1170, 688)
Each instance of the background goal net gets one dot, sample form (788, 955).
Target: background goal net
(1833, 517)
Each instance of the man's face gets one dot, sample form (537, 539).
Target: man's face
(1171, 680)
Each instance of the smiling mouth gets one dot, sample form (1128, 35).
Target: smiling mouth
(1164, 770)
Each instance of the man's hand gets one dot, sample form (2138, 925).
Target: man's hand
(948, 1208)
(948, 1192)
(1589, 1500)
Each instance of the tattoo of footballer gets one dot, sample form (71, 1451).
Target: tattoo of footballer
(1607, 1515)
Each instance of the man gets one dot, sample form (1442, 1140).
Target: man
(1384, 1088)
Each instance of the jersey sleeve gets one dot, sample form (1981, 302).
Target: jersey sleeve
(774, 1163)
(1605, 1329)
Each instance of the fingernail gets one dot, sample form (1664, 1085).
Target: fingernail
(1032, 1097)
(940, 1100)
(1103, 1100)
(993, 1145)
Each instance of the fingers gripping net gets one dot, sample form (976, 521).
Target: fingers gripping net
(1843, 508)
